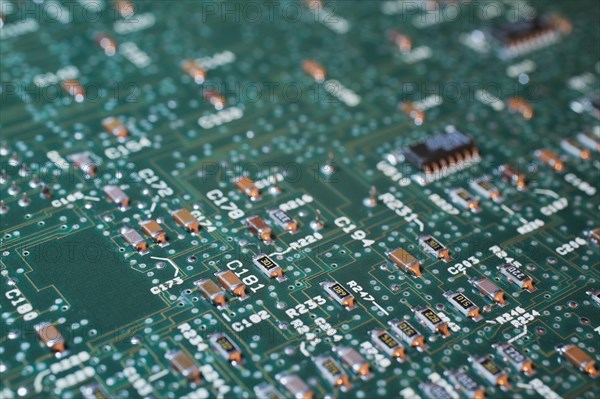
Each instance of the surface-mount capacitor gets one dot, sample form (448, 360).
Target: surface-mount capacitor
(194, 70)
(185, 219)
(50, 337)
(232, 283)
(259, 228)
(579, 358)
(314, 69)
(184, 364)
(117, 196)
(153, 230)
(404, 261)
(513, 176)
(211, 291)
(355, 361)
(489, 289)
(134, 239)
(247, 186)
(115, 127)
(550, 158)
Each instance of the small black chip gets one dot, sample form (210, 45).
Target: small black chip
(440, 150)
(513, 32)
(520, 37)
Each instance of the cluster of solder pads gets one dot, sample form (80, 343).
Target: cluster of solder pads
(256, 225)
(228, 280)
(402, 331)
(150, 227)
(401, 334)
(444, 150)
(328, 364)
(393, 343)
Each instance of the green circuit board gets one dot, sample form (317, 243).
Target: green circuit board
(299, 199)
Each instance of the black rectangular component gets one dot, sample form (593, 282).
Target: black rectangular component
(520, 37)
(440, 150)
(512, 32)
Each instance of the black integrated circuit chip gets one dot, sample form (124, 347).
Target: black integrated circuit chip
(513, 32)
(440, 150)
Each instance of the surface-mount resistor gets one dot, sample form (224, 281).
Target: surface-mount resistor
(433, 247)
(511, 355)
(388, 344)
(514, 275)
(283, 220)
(465, 383)
(228, 349)
(355, 361)
(269, 267)
(483, 187)
(489, 371)
(333, 372)
(464, 305)
(574, 148)
(427, 317)
(339, 294)
(408, 334)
